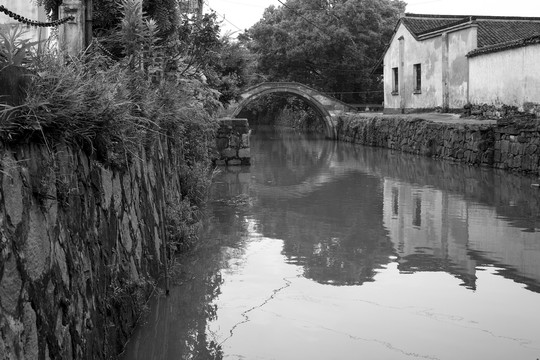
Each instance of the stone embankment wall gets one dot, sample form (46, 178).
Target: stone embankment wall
(511, 145)
(232, 143)
(79, 245)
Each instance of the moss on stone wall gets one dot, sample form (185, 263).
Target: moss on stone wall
(81, 246)
(510, 144)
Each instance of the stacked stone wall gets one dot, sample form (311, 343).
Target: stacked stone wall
(80, 245)
(512, 145)
(485, 111)
(517, 145)
(232, 143)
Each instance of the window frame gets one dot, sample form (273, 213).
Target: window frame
(417, 78)
(395, 80)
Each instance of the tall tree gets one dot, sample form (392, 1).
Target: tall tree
(331, 45)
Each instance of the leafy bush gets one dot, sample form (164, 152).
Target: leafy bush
(106, 106)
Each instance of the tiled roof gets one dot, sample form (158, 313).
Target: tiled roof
(420, 24)
(505, 46)
(491, 29)
(496, 32)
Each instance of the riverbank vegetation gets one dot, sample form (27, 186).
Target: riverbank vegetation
(151, 76)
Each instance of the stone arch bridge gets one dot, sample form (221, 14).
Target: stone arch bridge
(328, 107)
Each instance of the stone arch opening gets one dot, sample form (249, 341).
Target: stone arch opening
(310, 96)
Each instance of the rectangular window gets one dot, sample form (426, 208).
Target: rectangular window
(417, 78)
(395, 81)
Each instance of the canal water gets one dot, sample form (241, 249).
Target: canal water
(325, 250)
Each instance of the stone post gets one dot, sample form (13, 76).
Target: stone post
(232, 143)
(71, 37)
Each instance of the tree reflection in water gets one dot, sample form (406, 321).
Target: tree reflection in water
(177, 325)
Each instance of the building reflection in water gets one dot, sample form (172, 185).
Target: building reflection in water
(435, 231)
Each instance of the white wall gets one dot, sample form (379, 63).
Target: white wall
(509, 77)
(460, 43)
(427, 53)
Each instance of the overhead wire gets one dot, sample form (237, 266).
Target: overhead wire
(223, 16)
(306, 19)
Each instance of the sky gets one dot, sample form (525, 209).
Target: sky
(238, 15)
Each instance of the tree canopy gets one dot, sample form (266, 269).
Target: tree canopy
(331, 45)
(191, 45)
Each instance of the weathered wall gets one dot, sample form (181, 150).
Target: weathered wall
(511, 145)
(427, 53)
(28, 10)
(517, 145)
(510, 77)
(439, 56)
(460, 43)
(79, 244)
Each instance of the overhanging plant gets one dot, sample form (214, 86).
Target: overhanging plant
(14, 49)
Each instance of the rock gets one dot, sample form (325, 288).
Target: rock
(10, 286)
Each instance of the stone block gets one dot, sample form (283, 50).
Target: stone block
(487, 157)
(497, 156)
(127, 241)
(30, 340)
(526, 162)
(531, 149)
(61, 261)
(10, 286)
(222, 143)
(517, 161)
(516, 148)
(37, 246)
(117, 193)
(505, 146)
(12, 189)
(234, 141)
(245, 140)
(467, 155)
(244, 153)
(473, 157)
(234, 162)
(229, 153)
